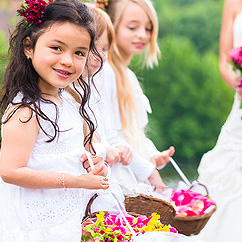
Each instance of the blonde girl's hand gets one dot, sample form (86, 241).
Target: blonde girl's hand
(99, 165)
(113, 155)
(156, 181)
(163, 157)
(126, 154)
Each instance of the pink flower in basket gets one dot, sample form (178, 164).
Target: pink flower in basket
(190, 203)
(112, 227)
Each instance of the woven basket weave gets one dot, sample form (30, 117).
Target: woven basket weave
(146, 205)
(192, 225)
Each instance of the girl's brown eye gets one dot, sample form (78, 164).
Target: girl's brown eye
(57, 48)
(80, 53)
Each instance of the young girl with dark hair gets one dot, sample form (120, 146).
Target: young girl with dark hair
(43, 186)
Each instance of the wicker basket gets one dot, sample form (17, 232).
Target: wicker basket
(192, 225)
(146, 205)
(89, 214)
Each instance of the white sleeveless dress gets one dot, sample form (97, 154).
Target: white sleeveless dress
(221, 170)
(48, 215)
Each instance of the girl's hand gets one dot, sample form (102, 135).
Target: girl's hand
(230, 76)
(239, 89)
(156, 181)
(99, 164)
(126, 154)
(236, 82)
(113, 155)
(93, 181)
(163, 157)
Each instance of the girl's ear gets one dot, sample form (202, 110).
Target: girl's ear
(28, 48)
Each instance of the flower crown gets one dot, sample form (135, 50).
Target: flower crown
(33, 11)
(103, 4)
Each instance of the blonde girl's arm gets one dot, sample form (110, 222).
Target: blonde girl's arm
(18, 139)
(226, 42)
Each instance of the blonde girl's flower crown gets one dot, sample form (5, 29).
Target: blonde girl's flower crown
(103, 4)
(33, 11)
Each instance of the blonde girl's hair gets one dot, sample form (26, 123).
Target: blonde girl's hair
(103, 22)
(116, 9)
(125, 92)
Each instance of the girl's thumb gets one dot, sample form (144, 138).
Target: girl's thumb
(171, 150)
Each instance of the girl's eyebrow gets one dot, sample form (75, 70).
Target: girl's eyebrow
(137, 21)
(60, 42)
(133, 21)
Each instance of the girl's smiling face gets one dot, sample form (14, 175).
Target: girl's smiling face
(133, 32)
(59, 56)
(102, 45)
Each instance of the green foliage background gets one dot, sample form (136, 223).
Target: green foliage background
(190, 101)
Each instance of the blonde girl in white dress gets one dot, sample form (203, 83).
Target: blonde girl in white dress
(117, 152)
(221, 168)
(124, 105)
(43, 191)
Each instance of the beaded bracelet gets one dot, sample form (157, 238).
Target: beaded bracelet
(63, 181)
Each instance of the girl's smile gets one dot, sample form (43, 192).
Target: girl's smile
(139, 45)
(62, 73)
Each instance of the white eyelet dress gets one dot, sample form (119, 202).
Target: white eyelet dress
(48, 215)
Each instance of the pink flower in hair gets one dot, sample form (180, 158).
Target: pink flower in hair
(103, 4)
(33, 11)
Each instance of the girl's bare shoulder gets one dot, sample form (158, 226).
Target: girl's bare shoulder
(19, 114)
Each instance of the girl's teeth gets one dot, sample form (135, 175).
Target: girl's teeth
(62, 72)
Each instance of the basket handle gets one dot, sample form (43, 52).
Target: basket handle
(88, 208)
(200, 184)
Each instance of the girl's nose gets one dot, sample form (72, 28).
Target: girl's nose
(66, 59)
(142, 33)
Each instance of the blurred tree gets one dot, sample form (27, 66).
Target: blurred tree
(200, 23)
(190, 102)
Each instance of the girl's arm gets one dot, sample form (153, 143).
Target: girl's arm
(18, 139)
(141, 167)
(230, 10)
